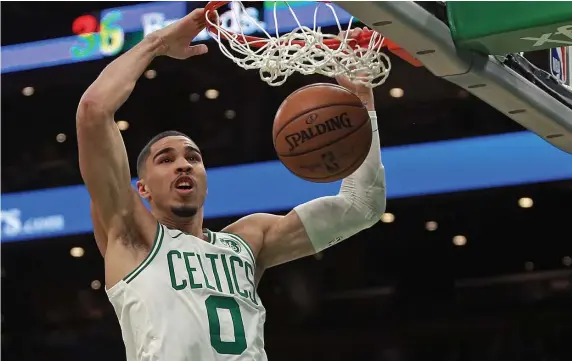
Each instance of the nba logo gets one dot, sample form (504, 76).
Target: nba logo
(560, 64)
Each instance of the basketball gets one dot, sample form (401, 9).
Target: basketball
(322, 132)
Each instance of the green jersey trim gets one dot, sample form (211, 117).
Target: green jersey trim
(211, 237)
(154, 250)
(206, 232)
(244, 243)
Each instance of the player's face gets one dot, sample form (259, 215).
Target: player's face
(175, 177)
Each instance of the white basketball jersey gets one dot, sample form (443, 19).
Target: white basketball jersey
(192, 300)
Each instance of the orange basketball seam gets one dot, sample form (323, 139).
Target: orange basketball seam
(361, 159)
(353, 105)
(324, 145)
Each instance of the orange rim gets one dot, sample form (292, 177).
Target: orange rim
(257, 42)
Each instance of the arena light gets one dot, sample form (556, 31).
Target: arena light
(28, 91)
(60, 138)
(122, 125)
(396, 92)
(211, 94)
(525, 202)
(459, 240)
(431, 226)
(77, 252)
(387, 218)
(150, 74)
(95, 284)
(194, 97)
(230, 114)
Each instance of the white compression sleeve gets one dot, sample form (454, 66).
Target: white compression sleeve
(358, 205)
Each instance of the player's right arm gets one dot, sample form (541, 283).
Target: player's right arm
(102, 156)
(98, 231)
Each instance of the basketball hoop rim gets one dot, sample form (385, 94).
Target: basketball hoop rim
(362, 41)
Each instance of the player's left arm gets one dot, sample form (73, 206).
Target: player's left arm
(323, 222)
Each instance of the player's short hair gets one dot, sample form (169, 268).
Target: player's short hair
(144, 154)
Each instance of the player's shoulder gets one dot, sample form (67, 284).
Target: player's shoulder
(234, 242)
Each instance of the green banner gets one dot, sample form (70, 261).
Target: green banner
(502, 27)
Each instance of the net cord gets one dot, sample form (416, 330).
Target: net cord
(302, 50)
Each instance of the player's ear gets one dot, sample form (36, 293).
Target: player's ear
(142, 189)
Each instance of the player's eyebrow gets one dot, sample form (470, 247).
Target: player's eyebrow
(163, 151)
(190, 148)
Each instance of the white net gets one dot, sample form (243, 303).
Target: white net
(301, 50)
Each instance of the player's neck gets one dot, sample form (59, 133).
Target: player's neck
(191, 225)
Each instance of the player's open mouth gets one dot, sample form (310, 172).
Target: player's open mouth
(184, 184)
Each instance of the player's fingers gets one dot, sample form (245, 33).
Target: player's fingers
(196, 50)
(193, 22)
(352, 34)
(355, 33)
(198, 14)
(213, 17)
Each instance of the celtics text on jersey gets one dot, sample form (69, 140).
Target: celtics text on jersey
(192, 299)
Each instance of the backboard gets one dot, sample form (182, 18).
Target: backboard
(510, 84)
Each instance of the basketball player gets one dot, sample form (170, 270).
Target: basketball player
(182, 293)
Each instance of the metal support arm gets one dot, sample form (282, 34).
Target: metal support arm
(427, 38)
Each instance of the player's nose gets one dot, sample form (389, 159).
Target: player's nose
(183, 166)
(185, 169)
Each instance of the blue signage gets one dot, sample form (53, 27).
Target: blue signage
(115, 24)
(412, 170)
(59, 51)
